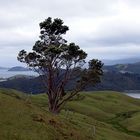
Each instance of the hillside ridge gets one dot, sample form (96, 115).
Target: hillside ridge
(93, 115)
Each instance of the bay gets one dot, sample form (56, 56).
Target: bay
(134, 95)
(4, 73)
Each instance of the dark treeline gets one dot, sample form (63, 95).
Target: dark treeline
(110, 81)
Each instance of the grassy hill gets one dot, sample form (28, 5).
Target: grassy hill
(99, 116)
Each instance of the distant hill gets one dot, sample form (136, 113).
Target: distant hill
(130, 68)
(120, 77)
(21, 76)
(110, 81)
(18, 68)
(121, 61)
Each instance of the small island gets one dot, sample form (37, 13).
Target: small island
(18, 68)
(3, 68)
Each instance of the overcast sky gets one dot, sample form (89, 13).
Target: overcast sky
(105, 29)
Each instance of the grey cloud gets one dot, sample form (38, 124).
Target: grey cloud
(116, 40)
(92, 23)
(116, 52)
(71, 8)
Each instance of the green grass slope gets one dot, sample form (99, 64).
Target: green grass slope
(99, 116)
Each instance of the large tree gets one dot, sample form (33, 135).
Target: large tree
(59, 63)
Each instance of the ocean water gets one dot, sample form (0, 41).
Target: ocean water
(6, 74)
(134, 95)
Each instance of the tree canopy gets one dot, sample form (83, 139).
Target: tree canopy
(59, 62)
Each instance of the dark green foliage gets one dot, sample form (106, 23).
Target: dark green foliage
(51, 54)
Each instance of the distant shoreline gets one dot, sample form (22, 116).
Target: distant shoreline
(132, 91)
(4, 74)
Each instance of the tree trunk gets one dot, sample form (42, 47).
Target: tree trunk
(53, 108)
